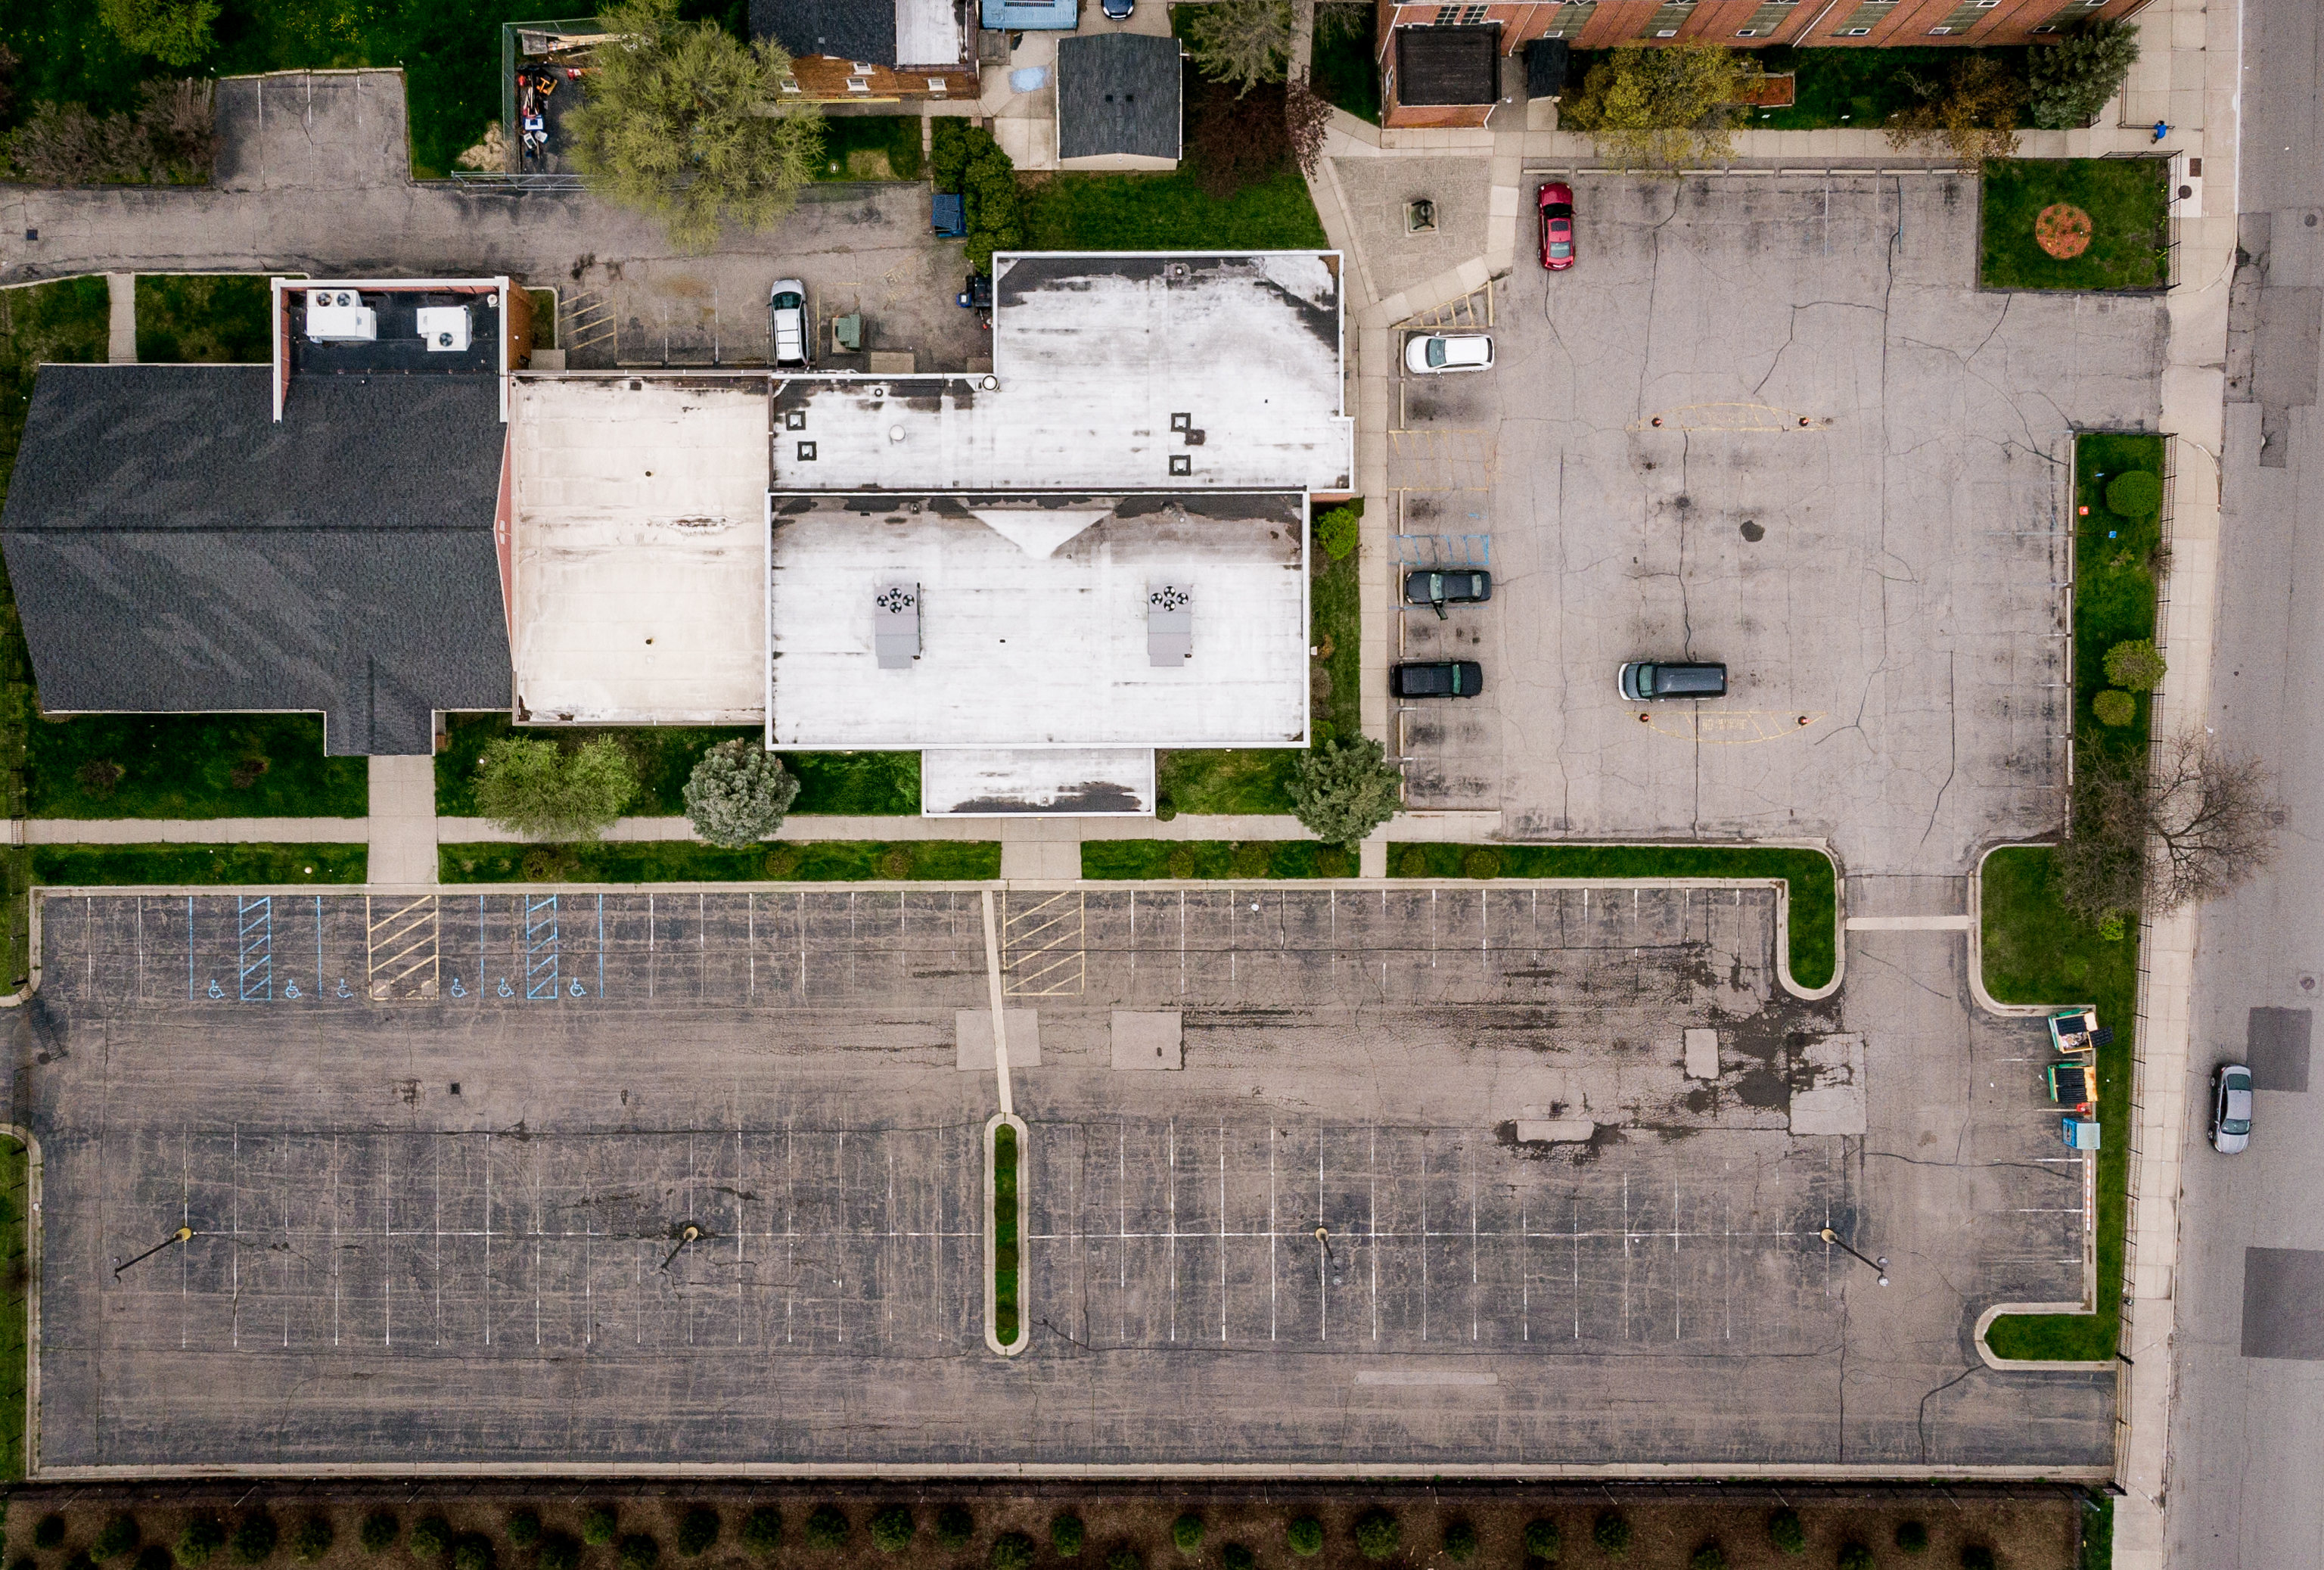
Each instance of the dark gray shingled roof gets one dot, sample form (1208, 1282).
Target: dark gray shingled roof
(853, 30)
(1118, 92)
(1447, 65)
(174, 551)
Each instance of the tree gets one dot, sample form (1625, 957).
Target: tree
(1241, 43)
(892, 1527)
(177, 33)
(2188, 826)
(686, 122)
(1306, 118)
(699, 1528)
(116, 1538)
(1378, 1534)
(965, 158)
(1345, 789)
(1665, 108)
(172, 138)
(537, 788)
(1970, 114)
(737, 796)
(2074, 78)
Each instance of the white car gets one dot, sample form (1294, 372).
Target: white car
(786, 321)
(1435, 354)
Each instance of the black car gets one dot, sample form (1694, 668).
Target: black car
(1467, 586)
(1438, 679)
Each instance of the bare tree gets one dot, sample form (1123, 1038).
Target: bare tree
(1306, 118)
(2190, 826)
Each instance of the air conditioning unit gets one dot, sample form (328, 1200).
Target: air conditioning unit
(444, 328)
(896, 625)
(340, 316)
(1169, 624)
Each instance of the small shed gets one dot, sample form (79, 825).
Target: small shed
(1120, 101)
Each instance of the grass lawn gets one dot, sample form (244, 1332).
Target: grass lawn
(191, 765)
(1346, 71)
(2034, 952)
(1226, 779)
(1814, 899)
(870, 147)
(70, 320)
(856, 784)
(15, 1205)
(831, 861)
(96, 864)
(203, 318)
(2129, 202)
(544, 317)
(1166, 212)
(1857, 88)
(1218, 860)
(1005, 1267)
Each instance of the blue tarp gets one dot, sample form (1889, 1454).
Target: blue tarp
(1012, 15)
(948, 214)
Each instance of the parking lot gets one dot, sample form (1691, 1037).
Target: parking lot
(1770, 423)
(398, 1188)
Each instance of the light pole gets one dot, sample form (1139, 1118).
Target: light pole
(183, 1234)
(684, 1236)
(1880, 1265)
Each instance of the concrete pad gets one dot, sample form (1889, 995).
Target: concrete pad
(1828, 1093)
(972, 1038)
(2277, 1048)
(1703, 1054)
(1556, 1131)
(1148, 1041)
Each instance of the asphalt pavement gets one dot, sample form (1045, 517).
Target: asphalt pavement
(2244, 1487)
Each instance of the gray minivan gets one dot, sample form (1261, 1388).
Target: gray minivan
(1643, 679)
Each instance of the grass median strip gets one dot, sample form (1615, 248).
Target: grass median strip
(833, 861)
(1007, 1323)
(1815, 910)
(16, 1297)
(166, 865)
(1214, 860)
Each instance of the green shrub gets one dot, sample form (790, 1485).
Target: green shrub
(640, 1551)
(1342, 790)
(1783, 1530)
(523, 1528)
(431, 1536)
(1611, 1533)
(762, 1528)
(1012, 1551)
(827, 1527)
(966, 159)
(2115, 707)
(1913, 1538)
(697, 1528)
(536, 788)
(1543, 1539)
(597, 1524)
(379, 1532)
(1237, 1556)
(1855, 1557)
(738, 793)
(892, 1529)
(1186, 1532)
(2135, 494)
(1378, 1534)
(254, 1540)
(311, 1539)
(2135, 665)
(151, 1557)
(1306, 1536)
(1337, 531)
(1124, 1558)
(116, 1538)
(472, 1551)
(559, 1552)
(50, 1533)
(1459, 1541)
(1481, 862)
(955, 1525)
(1977, 1557)
(1066, 1536)
(177, 33)
(1709, 1557)
(203, 1536)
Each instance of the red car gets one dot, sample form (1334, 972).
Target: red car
(1557, 226)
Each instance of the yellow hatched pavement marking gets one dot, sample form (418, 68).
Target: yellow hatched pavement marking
(1044, 953)
(1472, 309)
(403, 949)
(1730, 728)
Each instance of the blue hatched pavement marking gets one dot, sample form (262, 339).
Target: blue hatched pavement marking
(540, 947)
(257, 958)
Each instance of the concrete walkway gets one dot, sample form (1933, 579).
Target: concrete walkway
(402, 822)
(121, 322)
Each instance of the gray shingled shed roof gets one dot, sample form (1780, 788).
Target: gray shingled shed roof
(1118, 93)
(175, 550)
(851, 30)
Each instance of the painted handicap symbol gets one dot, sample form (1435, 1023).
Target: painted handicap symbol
(216, 991)
(506, 991)
(578, 989)
(343, 991)
(291, 990)
(458, 989)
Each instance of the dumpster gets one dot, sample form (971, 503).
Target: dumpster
(2077, 1031)
(2074, 1083)
(949, 216)
(2079, 1133)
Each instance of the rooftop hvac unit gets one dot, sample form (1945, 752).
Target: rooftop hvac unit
(1169, 624)
(896, 625)
(445, 328)
(340, 316)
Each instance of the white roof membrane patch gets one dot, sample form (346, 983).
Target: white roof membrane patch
(1081, 781)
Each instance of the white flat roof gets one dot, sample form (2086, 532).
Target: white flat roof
(1033, 630)
(639, 547)
(1107, 367)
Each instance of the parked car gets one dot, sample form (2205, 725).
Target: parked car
(1116, 10)
(1433, 586)
(1644, 680)
(1556, 203)
(1438, 679)
(786, 321)
(2231, 1108)
(1436, 353)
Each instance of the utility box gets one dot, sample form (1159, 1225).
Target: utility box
(896, 625)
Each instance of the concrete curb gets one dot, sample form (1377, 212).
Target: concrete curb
(992, 1243)
(1710, 1466)
(32, 1292)
(2033, 1365)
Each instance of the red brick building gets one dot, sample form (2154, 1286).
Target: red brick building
(1433, 59)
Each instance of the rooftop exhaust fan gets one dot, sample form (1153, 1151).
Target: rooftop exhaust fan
(896, 625)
